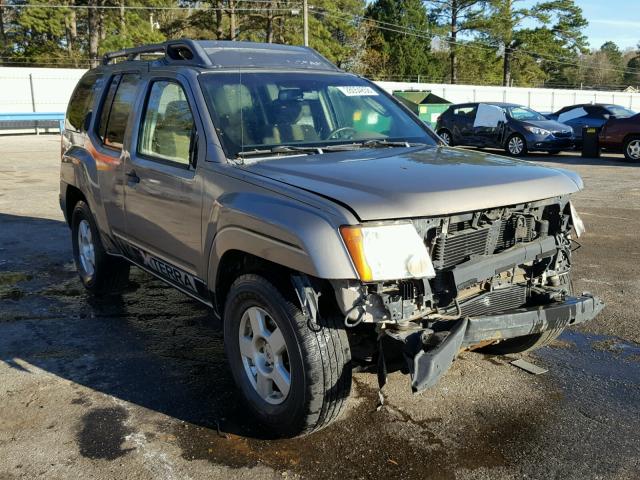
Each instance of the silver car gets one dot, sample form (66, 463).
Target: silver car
(319, 219)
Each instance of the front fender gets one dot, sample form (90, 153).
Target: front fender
(278, 229)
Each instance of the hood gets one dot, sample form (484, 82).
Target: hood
(550, 125)
(397, 183)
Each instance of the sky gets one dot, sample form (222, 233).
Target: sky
(615, 20)
(610, 20)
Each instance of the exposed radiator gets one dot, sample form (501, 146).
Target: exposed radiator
(463, 241)
(459, 246)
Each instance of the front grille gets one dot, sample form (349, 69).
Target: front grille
(562, 134)
(459, 246)
(494, 302)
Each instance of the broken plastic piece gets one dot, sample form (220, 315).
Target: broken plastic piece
(529, 367)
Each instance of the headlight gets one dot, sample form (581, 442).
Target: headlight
(387, 252)
(538, 131)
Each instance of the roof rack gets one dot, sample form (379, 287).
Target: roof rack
(175, 51)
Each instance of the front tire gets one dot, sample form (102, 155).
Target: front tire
(516, 145)
(294, 379)
(528, 343)
(99, 272)
(632, 149)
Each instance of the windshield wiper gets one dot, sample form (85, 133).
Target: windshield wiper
(386, 143)
(280, 149)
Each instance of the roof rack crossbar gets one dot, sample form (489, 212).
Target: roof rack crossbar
(186, 51)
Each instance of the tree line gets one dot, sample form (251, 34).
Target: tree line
(494, 42)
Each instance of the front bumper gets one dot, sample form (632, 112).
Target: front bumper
(427, 362)
(549, 143)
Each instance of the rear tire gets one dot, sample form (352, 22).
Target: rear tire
(632, 149)
(446, 136)
(100, 273)
(516, 145)
(258, 320)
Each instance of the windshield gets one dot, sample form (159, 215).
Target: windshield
(524, 113)
(262, 111)
(620, 112)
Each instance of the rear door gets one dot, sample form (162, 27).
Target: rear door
(463, 118)
(106, 143)
(163, 190)
(489, 125)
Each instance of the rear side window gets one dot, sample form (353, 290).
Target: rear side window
(82, 101)
(468, 111)
(167, 128)
(116, 109)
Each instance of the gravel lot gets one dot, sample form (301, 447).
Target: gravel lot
(138, 388)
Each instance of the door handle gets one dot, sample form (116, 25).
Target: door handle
(132, 177)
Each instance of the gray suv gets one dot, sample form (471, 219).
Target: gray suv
(324, 224)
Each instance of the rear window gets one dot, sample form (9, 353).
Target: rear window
(116, 109)
(82, 101)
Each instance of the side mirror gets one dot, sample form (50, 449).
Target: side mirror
(87, 121)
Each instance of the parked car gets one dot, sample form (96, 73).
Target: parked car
(513, 127)
(324, 223)
(588, 115)
(622, 134)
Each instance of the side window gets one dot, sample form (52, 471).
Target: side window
(116, 109)
(468, 111)
(81, 102)
(167, 125)
(106, 107)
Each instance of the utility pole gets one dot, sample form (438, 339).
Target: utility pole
(305, 22)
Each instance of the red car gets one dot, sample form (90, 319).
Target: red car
(622, 134)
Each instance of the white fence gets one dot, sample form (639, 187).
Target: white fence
(540, 99)
(49, 89)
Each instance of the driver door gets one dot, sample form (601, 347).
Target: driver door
(163, 188)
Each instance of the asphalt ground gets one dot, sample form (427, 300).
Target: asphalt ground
(137, 387)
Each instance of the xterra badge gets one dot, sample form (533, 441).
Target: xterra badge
(169, 272)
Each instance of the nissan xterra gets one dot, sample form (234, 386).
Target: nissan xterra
(320, 219)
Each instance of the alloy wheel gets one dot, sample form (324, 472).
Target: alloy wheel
(264, 355)
(633, 149)
(516, 145)
(86, 250)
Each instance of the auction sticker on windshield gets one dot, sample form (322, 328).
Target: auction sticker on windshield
(357, 91)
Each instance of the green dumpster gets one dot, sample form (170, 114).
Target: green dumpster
(428, 106)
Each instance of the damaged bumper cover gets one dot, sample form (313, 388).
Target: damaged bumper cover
(427, 360)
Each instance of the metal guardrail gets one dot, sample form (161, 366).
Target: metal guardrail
(34, 117)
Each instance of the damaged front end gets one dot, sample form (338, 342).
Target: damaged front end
(500, 274)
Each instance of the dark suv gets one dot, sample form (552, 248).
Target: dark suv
(323, 222)
(513, 127)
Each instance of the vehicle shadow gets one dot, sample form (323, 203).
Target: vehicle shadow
(151, 345)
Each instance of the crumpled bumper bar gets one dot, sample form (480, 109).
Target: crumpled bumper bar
(427, 363)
